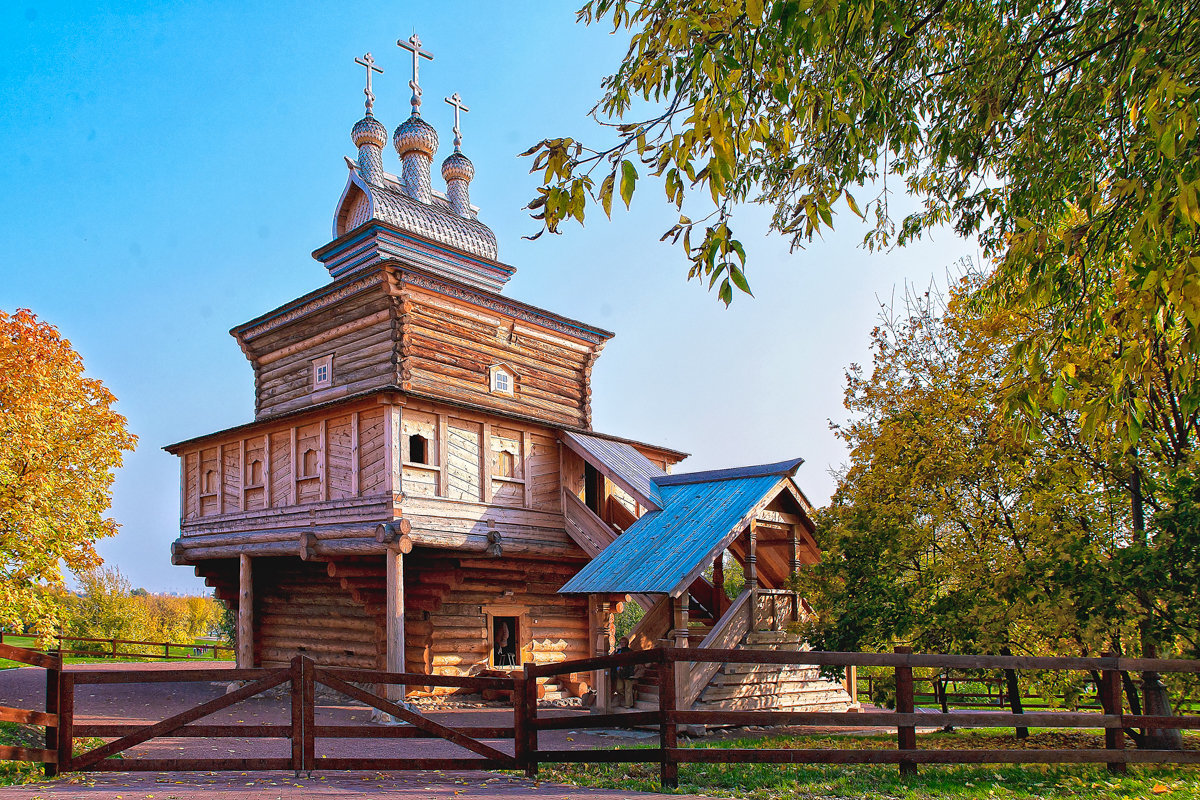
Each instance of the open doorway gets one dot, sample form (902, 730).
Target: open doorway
(506, 647)
(593, 489)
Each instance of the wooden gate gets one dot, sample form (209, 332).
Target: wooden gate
(302, 678)
(53, 666)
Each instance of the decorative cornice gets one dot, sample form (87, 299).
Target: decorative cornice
(317, 303)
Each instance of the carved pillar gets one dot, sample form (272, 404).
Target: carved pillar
(245, 618)
(679, 616)
(795, 543)
(601, 627)
(395, 618)
(720, 600)
(752, 572)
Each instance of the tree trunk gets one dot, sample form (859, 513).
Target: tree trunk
(1014, 694)
(940, 685)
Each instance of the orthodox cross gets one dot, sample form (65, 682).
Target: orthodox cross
(368, 61)
(413, 45)
(457, 102)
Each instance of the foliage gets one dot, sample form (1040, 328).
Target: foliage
(107, 608)
(628, 619)
(951, 532)
(60, 441)
(1062, 136)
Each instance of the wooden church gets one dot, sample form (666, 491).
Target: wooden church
(421, 488)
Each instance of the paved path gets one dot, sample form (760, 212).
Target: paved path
(281, 786)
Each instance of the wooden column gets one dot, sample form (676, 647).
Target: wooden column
(679, 617)
(719, 598)
(1112, 704)
(906, 735)
(795, 567)
(245, 621)
(602, 645)
(752, 572)
(395, 618)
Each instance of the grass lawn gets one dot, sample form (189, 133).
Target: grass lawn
(17, 735)
(816, 782)
(177, 653)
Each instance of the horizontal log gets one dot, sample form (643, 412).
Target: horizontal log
(398, 764)
(134, 675)
(27, 717)
(585, 721)
(31, 657)
(649, 755)
(377, 676)
(107, 731)
(191, 765)
(406, 732)
(10, 753)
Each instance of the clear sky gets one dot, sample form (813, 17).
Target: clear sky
(168, 168)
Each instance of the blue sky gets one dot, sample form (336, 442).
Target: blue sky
(169, 168)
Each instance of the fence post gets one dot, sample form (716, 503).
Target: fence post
(667, 732)
(66, 712)
(525, 721)
(1112, 702)
(906, 734)
(53, 674)
(308, 668)
(531, 716)
(297, 702)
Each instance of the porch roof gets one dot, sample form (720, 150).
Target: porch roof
(701, 514)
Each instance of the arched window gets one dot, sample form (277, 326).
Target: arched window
(256, 473)
(209, 484)
(418, 449)
(505, 464)
(310, 463)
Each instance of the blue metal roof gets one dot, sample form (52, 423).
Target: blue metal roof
(788, 467)
(699, 518)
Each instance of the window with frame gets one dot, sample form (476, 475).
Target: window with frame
(322, 372)
(418, 449)
(502, 381)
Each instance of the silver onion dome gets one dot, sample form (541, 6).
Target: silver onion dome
(457, 167)
(415, 135)
(369, 130)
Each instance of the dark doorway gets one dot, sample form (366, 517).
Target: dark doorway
(506, 649)
(593, 488)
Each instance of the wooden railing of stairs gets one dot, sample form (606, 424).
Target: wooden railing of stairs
(726, 634)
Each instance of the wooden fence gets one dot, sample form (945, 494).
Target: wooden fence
(484, 743)
(110, 648)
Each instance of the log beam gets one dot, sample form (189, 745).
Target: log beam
(245, 626)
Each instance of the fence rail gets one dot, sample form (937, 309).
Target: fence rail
(674, 665)
(111, 648)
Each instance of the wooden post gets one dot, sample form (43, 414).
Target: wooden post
(53, 675)
(66, 714)
(719, 598)
(667, 733)
(297, 716)
(679, 608)
(521, 721)
(1112, 702)
(308, 704)
(395, 619)
(752, 572)
(795, 566)
(601, 639)
(531, 727)
(245, 620)
(906, 734)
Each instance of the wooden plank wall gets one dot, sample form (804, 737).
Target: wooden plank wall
(448, 347)
(357, 331)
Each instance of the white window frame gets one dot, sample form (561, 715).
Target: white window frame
(511, 380)
(326, 363)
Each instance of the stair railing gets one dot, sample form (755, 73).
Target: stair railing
(727, 633)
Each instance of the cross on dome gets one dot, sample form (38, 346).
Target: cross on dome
(413, 45)
(456, 101)
(368, 61)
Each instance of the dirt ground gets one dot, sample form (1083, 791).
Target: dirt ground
(151, 702)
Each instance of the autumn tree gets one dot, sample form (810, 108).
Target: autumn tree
(1060, 136)
(60, 441)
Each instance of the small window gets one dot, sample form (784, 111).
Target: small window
(503, 381)
(209, 484)
(322, 372)
(256, 473)
(506, 649)
(309, 463)
(505, 464)
(418, 449)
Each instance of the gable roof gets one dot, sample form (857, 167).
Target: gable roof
(702, 514)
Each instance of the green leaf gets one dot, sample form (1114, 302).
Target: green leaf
(739, 279)
(629, 178)
(606, 195)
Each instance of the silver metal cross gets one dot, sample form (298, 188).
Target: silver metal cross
(457, 102)
(368, 61)
(413, 45)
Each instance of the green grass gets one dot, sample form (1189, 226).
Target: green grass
(818, 782)
(17, 735)
(31, 642)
